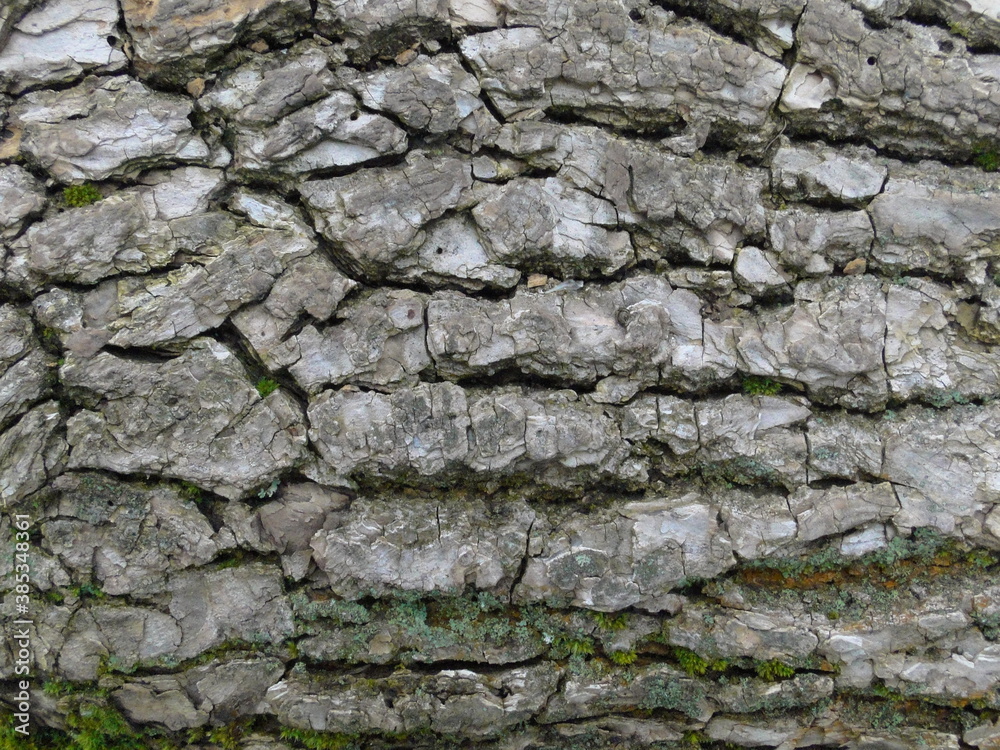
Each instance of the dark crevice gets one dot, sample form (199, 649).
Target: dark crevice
(982, 45)
(379, 162)
(722, 20)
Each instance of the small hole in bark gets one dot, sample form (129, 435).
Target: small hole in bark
(440, 251)
(75, 117)
(635, 14)
(871, 60)
(113, 41)
(946, 46)
(355, 115)
(6, 133)
(411, 314)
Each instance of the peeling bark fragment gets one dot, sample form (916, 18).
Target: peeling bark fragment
(129, 636)
(640, 329)
(195, 298)
(817, 243)
(851, 176)
(212, 606)
(126, 538)
(21, 195)
(269, 87)
(385, 28)
(704, 208)
(591, 58)
(433, 94)
(24, 366)
(310, 286)
(942, 463)
(426, 546)
(455, 702)
(568, 231)
(769, 25)
(232, 440)
(330, 133)
(937, 219)
(175, 40)
(380, 344)
(433, 429)
(902, 88)
(377, 217)
(103, 128)
(632, 557)
(59, 41)
(927, 355)
(831, 341)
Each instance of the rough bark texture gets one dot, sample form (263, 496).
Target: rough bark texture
(501, 374)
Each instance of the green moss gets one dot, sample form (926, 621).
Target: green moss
(608, 621)
(56, 688)
(266, 386)
(87, 590)
(313, 740)
(623, 658)
(77, 196)
(989, 625)
(925, 546)
(887, 693)
(984, 154)
(99, 727)
(756, 386)
(959, 29)
(740, 470)
(981, 558)
(570, 646)
(228, 737)
(190, 491)
(773, 670)
(689, 661)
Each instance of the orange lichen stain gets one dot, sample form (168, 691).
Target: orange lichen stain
(139, 12)
(11, 145)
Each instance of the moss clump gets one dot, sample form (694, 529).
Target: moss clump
(690, 662)
(87, 590)
(608, 621)
(77, 196)
(228, 737)
(959, 30)
(740, 470)
(266, 386)
(97, 727)
(314, 740)
(623, 658)
(774, 670)
(989, 625)
(986, 157)
(190, 491)
(754, 386)
(565, 645)
(695, 665)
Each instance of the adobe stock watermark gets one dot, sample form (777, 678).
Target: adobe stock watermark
(19, 630)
